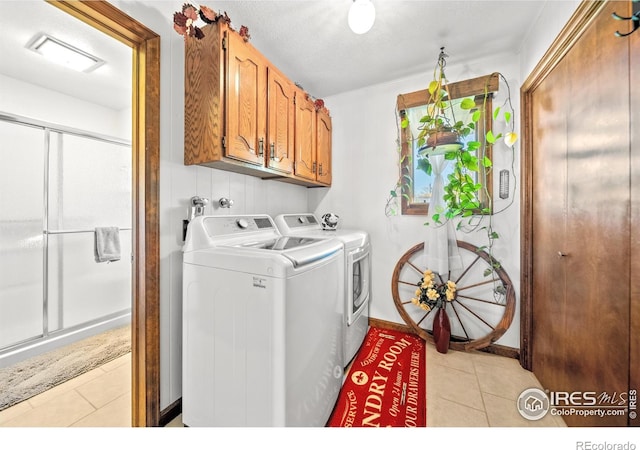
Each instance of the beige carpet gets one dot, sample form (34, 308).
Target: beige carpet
(40, 373)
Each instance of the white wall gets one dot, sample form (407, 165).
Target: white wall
(364, 171)
(365, 168)
(178, 183)
(35, 102)
(544, 30)
(365, 164)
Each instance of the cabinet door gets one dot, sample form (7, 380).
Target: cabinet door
(305, 137)
(246, 98)
(323, 147)
(280, 120)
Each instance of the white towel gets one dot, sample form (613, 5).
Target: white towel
(107, 246)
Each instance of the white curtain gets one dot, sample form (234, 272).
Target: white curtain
(440, 248)
(441, 252)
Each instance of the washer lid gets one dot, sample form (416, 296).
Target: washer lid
(280, 243)
(300, 251)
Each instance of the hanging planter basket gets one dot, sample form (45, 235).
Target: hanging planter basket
(440, 142)
(443, 138)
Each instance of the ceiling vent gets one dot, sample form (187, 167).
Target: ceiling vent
(65, 54)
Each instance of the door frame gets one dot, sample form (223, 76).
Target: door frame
(575, 27)
(145, 330)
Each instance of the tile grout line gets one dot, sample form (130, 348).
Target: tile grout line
(484, 405)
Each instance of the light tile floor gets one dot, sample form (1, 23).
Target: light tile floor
(463, 390)
(98, 398)
(476, 389)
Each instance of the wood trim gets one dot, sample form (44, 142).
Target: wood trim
(481, 88)
(501, 350)
(379, 323)
(460, 89)
(634, 149)
(170, 412)
(145, 46)
(494, 349)
(575, 27)
(146, 317)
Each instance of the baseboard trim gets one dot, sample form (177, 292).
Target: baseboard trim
(379, 323)
(494, 349)
(170, 412)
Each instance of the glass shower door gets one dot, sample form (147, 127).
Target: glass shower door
(21, 239)
(89, 187)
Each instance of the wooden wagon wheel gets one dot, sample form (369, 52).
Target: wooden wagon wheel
(484, 305)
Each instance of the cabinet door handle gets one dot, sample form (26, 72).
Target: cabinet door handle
(273, 150)
(261, 147)
(313, 169)
(320, 169)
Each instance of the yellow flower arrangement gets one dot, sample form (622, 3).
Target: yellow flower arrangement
(430, 294)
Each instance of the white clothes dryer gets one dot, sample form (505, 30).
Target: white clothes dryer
(357, 275)
(262, 328)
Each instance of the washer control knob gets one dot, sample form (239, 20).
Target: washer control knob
(242, 223)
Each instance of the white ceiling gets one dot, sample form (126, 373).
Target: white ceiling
(309, 40)
(20, 21)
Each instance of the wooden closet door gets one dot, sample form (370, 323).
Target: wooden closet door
(549, 204)
(582, 262)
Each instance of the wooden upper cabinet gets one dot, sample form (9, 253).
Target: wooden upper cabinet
(204, 97)
(305, 137)
(323, 147)
(243, 115)
(246, 101)
(280, 121)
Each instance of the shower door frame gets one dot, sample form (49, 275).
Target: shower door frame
(145, 148)
(49, 128)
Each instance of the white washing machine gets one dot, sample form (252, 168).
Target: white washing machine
(262, 327)
(357, 293)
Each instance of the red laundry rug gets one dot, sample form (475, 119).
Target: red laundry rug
(386, 384)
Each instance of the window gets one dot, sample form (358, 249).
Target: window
(413, 106)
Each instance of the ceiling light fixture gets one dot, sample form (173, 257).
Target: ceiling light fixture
(65, 54)
(362, 15)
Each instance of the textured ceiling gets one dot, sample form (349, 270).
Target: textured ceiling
(309, 40)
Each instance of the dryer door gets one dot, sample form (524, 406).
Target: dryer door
(358, 282)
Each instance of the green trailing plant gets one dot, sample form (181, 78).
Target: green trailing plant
(462, 189)
(440, 129)
(404, 184)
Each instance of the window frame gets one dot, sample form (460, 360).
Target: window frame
(476, 87)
